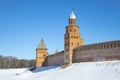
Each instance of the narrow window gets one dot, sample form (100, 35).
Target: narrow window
(88, 48)
(111, 45)
(44, 55)
(107, 45)
(77, 37)
(71, 22)
(95, 47)
(118, 44)
(101, 46)
(74, 30)
(71, 43)
(74, 36)
(104, 46)
(115, 45)
(98, 47)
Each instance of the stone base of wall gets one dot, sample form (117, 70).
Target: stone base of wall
(112, 58)
(93, 59)
(84, 60)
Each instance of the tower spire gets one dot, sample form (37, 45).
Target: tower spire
(42, 45)
(72, 16)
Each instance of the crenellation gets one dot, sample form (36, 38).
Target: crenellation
(99, 46)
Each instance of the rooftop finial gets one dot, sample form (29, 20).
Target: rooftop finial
(73, 9)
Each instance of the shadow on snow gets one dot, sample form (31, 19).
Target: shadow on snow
(35, 70)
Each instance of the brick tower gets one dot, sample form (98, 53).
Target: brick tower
(72, 39)
(41, 54)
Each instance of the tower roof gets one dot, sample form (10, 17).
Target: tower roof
(41, 45)
(72, 16)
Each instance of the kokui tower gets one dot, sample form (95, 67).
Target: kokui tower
(41, 54)
(72, 39)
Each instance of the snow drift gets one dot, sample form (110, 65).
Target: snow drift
(108, 70)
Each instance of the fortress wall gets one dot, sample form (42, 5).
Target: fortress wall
(56, 59)
(97, 52)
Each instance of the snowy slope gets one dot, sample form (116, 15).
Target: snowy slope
(109, 70)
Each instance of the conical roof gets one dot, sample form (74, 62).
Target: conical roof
(72, 16)
(41, 45)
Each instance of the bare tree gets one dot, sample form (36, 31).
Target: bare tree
(13, 62)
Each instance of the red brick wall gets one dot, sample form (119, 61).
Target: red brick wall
(55, 59)
(88, 53)
(97, 52)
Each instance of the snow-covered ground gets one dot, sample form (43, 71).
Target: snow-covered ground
(109, 70)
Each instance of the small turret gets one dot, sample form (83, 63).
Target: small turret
(41, 54)
(72, 19)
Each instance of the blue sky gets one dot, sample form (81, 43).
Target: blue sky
(24, 22)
